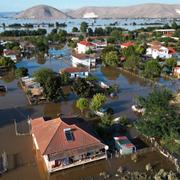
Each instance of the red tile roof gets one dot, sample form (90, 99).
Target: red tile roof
(10, 52)
(127, 44)
(86, 43)
(125, 141)
(171, 50)
(74, 69)
(51, 138)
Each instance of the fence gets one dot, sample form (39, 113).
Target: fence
(164, 152)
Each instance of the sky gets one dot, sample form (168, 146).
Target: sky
(19, 5)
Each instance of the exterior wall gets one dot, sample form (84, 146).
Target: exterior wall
(50, 164)
(79, 74)
(155, 53)
(177, 72)
(35, 142)
(85, 62)
(13, 57)
(82, 48)
(123, 149)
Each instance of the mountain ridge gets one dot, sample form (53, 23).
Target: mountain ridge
(148, 10)
(41, 12)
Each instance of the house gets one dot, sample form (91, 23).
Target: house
(84, 46)
(65, 145)
(157, 50)
(83, 60)
(127, 44)
(11, 54)
(26, 46)
(176, 70)
(76, 72)
(123, 145)
(166, 32)
(99, 44)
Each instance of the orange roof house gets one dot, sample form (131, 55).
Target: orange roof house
(64, 145)
(127, 44)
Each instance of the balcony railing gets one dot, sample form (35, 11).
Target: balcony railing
(79, 162)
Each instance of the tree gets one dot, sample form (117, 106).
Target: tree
(116, 34)
(170, 63)
(82, 104)
(132, 63)
(90, 32)
(83, 27)
(52, 89)
(21, 72)
(81, 37)
(85, 88)
(106, 120)
(99, 31)
(75, 29)
(107, 50)
(97, 101)
(7, 62)
(160, 119)
(111, 59)
(65, 79)
(42, 74)
(174, 25)
(152, 69)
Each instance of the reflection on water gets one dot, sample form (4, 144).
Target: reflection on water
(48, 62)
(9, 76)
(41, 58)
(51, 110)
(110, 73)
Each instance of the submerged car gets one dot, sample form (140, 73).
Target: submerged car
(103, 111)
(138, 109)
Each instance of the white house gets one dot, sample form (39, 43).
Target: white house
(11, 54)
(176, 72)
(64, 144)
(76, 72)
(84, 46)
(83, 60)
(157, 50)
(99, 45)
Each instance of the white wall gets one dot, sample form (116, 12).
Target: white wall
(86, 62)
(82, 48)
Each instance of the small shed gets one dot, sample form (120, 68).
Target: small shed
(123, 145)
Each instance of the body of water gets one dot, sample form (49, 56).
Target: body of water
(14, 106)
(124, 23)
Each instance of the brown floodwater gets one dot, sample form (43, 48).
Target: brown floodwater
(24, 162)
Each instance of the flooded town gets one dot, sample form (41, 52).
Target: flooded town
(92, 93)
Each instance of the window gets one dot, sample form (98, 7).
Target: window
(69, 134)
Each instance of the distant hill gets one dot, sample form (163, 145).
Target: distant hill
(136, 11)
(42, 12)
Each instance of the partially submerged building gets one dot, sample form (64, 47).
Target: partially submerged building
(123, 145)
(75, 72)
(157, 50)
(65, 145)
(83, 60)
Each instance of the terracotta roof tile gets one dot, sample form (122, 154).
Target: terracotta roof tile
(86, 43)
(51, 138)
